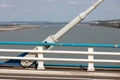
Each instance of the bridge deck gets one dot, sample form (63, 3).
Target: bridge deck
(57, 74)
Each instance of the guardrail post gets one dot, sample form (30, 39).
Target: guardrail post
(40, 55)
(91, 57)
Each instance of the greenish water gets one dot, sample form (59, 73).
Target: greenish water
(82, 33)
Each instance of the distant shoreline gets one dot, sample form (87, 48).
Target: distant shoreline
(12, 28)
(107, 23)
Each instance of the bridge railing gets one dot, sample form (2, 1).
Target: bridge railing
(40, 53)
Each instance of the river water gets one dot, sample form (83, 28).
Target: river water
(82, 33)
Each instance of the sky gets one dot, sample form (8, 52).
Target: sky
(56, 10)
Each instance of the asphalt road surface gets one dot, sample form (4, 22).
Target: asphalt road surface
(57, 74)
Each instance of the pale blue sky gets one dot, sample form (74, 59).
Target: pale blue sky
(56, 10)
